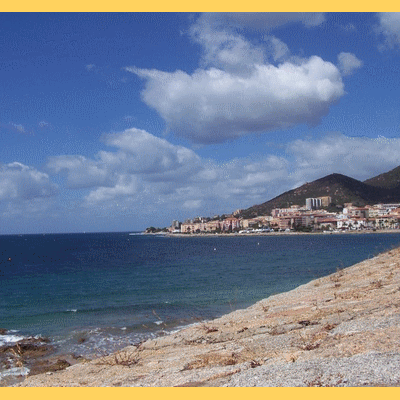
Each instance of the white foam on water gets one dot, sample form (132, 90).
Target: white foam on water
(16, 371)
(9, 339)
(159, 322)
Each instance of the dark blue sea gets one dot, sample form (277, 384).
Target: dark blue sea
(101, 291)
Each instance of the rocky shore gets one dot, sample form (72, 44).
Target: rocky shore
(340, 330)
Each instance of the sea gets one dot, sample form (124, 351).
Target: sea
(93, 293)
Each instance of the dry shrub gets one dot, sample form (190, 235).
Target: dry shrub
(329, 381)
(123, 357)
(17, 356)
(211, 360)
(329, 327)
(210, 329)
(334, 278)
(252, 353)
(309, 342)
(310, 346)
(376, 284)
(276, 331)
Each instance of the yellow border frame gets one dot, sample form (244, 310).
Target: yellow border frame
(197, 393)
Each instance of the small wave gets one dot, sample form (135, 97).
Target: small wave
(9, 339)
(16, 371)
(159, 322)
(72, 310)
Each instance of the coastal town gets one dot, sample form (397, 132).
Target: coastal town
(310, 217)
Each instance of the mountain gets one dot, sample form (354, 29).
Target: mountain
(390, 180)
(384, 188)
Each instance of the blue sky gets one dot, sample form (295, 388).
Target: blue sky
(115, 122)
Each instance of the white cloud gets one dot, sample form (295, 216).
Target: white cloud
(227, 50)
(122, 187)
(279, 50)
(348, 63)
(389, 27)
(143, 153)
(81, 172)
(243, 87)
(140, 159)
(211, 106)
(144, 170)
(126, 185)
(357, 157)
(18, 127)
(210, 187)
(19, 182)
(138, 153)
(43, 124)
(192, 204)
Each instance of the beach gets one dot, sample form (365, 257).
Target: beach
(339, 330)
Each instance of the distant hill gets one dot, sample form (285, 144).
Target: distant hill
(389, 180)
(342, 189)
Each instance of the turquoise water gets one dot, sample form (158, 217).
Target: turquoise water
(113, 289)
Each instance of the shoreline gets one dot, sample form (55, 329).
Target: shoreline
(339, 330)
(189, 235)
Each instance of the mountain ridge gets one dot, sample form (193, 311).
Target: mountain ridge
(383, 188)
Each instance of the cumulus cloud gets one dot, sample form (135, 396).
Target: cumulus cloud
(348, 63)
(358, 157)
(144, 169)
(278, 49)
(389, 27)
(244, 182)
(205, 187)
(243, 87)
(81, 172)
(139, 158)
(143, 153)
(211, 106)
(21, 182)
(126, 185)
(225, 49)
